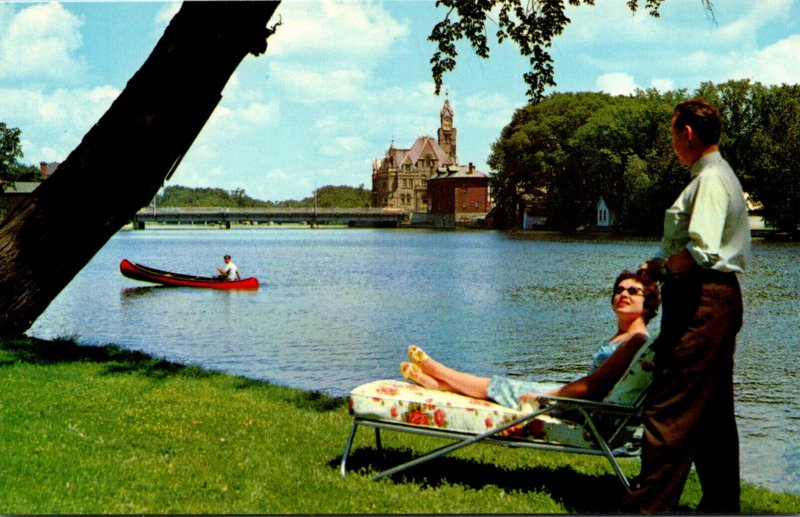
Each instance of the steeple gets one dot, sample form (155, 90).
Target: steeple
(447, 133)
(446, 114)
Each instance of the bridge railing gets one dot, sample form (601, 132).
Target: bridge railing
(226, 216)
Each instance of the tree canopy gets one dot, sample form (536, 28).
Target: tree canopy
(329, 196)
(11, 169)
(530, 24)
(559, 157)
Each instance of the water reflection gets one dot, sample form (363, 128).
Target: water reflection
(130, 292)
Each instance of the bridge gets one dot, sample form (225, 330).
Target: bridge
(366, 217)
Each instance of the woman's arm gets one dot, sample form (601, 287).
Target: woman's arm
(598, 383)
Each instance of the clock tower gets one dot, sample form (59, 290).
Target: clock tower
(447, 133)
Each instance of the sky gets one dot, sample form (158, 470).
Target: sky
(342, 80)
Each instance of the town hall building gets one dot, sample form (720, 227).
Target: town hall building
(411, 179)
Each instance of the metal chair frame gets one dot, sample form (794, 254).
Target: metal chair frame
(591, 411)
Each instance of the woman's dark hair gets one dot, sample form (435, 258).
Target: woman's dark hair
(652, 296)
(703, 117)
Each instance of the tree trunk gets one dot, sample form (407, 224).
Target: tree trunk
(125, 158)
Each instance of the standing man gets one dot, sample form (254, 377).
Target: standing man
(689, 414)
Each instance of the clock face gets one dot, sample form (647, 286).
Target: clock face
(447, 122)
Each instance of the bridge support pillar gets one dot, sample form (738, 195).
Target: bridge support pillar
(138, 225)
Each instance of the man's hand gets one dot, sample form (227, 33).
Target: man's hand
(654, 270)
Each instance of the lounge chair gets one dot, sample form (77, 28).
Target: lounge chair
(609, 428)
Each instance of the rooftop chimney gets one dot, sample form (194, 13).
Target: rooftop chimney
(471, 168)
(43, 168)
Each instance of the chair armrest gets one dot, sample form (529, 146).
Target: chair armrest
(556, 402)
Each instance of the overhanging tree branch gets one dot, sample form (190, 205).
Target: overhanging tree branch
(530, 24)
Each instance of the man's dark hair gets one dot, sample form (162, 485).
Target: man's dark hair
(703, 117)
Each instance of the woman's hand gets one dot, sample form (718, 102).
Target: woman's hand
(530, 397)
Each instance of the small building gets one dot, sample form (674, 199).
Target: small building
(604, 217)
(13, 193)
(458, 196)
(534, 211)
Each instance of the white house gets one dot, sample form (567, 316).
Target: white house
(604, 218)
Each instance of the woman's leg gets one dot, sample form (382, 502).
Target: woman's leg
(459, 382)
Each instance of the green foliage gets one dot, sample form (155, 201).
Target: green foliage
(180, 196)
(774, 155)
(327, 197)
(532, 26)
(343, 197)
(11, 169)
(571, 149)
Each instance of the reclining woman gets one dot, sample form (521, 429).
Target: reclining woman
(635, 302)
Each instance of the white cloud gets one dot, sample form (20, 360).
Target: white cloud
(57, 120)
(306, 84)
(487, 111)
(40, 42)
(277, 185)
(616, 83)
(774, 64)
(682, 48)
(260, 115)
(166, 13)
(343, 146)
(663, 85)
(350, 31)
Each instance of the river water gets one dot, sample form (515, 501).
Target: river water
(337, 307)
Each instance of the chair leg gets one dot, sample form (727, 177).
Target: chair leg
(378, 443)
(458, 444)
(342, 466)
(607, 452)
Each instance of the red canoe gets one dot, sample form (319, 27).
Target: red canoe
(149, 274)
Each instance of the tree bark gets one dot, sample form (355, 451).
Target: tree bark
(125, 158)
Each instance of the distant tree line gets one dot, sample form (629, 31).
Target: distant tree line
(559, 156)
(11, 169)
(327, 197)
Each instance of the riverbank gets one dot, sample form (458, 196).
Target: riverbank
(91, 430)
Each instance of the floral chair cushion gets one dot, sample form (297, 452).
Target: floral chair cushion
(405, 403)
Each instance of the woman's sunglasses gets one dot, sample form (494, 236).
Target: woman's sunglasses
(633, 291)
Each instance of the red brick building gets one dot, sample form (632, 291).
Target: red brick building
(458, 196)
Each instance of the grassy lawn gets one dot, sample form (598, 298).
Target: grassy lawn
(101, 430)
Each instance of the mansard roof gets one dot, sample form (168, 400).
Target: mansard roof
(421, 145)
(395, 155)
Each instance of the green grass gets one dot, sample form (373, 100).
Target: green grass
(102, 430)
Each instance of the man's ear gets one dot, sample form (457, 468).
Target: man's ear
(690, 136)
